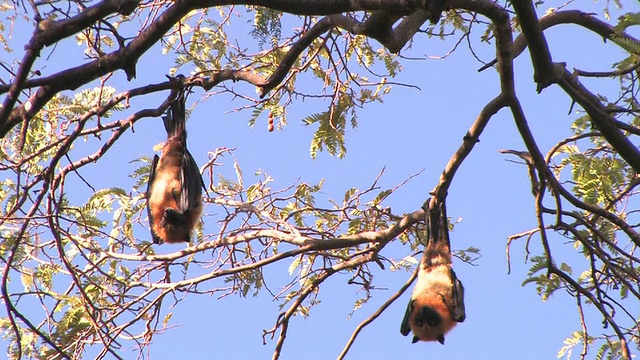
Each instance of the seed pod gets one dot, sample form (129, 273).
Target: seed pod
(270, 126)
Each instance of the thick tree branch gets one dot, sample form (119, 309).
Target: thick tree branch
(72, 78)
(505, 68)
(379, 27)
(405, 31)
(54, 31)
(538, 47)
(601, 119)
(468, 142)
(48, 32)
(325, 24)
(127, 57)
(317, 7)
(216, 77)
(32, 51)
(586, 20)
(504, 41)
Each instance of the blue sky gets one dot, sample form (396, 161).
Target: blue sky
(412, 131)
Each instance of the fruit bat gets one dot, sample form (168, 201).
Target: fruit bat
(437, 301)
(174, 192)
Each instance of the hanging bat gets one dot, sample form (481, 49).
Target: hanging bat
(174, 192)
(436, 305)
(437, 301)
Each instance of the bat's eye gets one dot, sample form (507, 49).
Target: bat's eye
(419, 323)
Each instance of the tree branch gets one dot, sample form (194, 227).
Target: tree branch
(577, 17)
(72, 78)
(127, 57)
(538, 48)
(48, 32)
(377, 313)
(468, 142)
(601, 119)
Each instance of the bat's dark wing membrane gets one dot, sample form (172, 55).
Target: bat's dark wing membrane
(405, 328)
(457, 297)
(152, 177)
(191, 182)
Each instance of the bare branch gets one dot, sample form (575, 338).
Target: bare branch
(377, 313)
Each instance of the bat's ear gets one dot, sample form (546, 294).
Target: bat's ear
(415, 340)
(441, 339)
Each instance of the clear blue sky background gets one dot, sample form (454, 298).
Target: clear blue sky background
(413, 130)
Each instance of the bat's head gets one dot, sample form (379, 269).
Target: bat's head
(427, 321)
(175, 227)
(430, 319)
